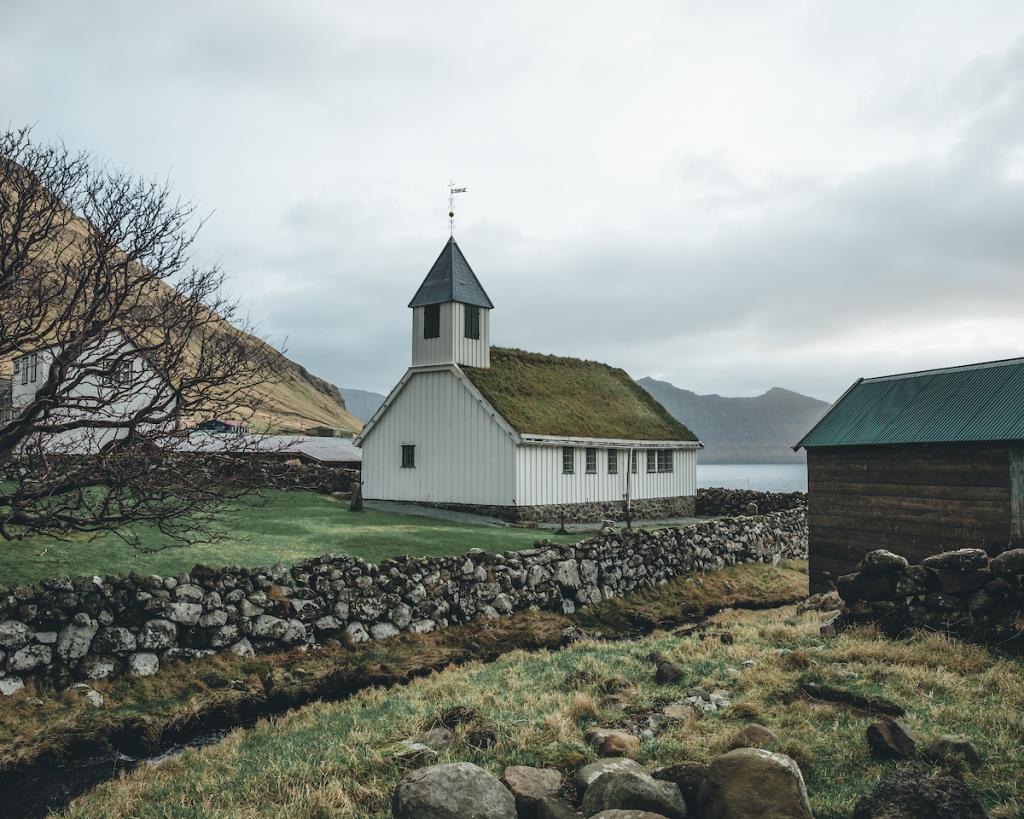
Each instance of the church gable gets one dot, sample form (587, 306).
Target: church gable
(551, 395)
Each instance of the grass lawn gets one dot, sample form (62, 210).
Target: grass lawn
(337, 759)
(287, 526)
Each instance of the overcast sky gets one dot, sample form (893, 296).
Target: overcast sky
(728, 196)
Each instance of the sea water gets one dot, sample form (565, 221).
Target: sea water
(764, 477)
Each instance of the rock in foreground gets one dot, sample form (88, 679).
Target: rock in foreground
(751, 783)
(459, 790)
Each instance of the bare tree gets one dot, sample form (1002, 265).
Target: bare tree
(129, 345)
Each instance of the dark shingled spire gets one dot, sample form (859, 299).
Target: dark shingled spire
(451, 279)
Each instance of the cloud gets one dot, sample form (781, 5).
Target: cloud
(725, 197)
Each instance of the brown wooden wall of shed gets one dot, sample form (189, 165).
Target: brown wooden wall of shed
(914, 500)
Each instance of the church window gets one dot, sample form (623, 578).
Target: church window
(591, 461)
(568, 460)
(472, 328)
(665, 460)
(432, 321)
(613, 462)
(652, 463)
(408, 456)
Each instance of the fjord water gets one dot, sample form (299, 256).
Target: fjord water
(763, 477)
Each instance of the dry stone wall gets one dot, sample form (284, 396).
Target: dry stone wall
(63, 630)
(964, 592)
(714, 501)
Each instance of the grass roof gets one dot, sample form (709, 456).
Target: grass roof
(550, 395)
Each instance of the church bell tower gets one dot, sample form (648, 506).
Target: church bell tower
(451, 314)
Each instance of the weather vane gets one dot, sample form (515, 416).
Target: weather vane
(452, 190)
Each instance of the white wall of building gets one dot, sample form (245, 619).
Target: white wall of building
(452, 346)
(462, 454)
(540, 480)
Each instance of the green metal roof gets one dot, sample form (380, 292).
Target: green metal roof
(978, 402)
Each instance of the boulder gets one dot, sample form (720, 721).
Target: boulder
(554, 807)
(688, 777)
(889, 738)
(947, 746)
(751, 783)
(355, 633)
(187, 614)
(958, 560)
(634, 791)
(143, 664)
(30, 658)
(613, 742)
(667, 673)
(99, 667)
(1008, 564)
(530, 785)
(14, 635)
(243, 648)
(459, 790)
(10, 685)
(158, 635)
(882, 560)
(383, 631)
(588, 773)
(75, 639)
(864, 586)
(908, 794)
(114, 641)
(753, 735)
(267, 627)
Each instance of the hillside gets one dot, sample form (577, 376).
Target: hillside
(754, 430)
(362, 403)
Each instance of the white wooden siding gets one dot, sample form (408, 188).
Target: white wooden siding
(451, 347)
(462, 454)
(539, 477)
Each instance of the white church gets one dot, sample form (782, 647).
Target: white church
(519, 435)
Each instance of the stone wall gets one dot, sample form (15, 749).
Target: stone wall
(647, 509)
(716, 501)
(61, 630)
(273, 472)
(963, 592)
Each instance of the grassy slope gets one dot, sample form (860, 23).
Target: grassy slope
(288, 527)
(333, 759)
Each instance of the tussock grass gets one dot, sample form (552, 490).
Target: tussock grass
(333, 759)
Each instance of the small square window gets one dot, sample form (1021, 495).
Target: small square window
(472, 321)
(652, 461)
(613, 462)
(432, 321)
(408, 456)
(591, 461)
(568, 460)
(665, 460)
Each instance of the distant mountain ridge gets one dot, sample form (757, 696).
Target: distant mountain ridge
(362, 403)
(757, 430)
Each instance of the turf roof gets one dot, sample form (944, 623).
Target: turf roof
(549, 395)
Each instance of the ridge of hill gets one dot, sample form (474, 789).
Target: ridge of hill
(758, 429)
(362, 403)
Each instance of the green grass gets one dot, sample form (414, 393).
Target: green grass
(287, 527)
(336, 759)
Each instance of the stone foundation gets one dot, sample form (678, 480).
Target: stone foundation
(647, 509)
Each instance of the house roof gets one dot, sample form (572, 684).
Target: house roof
(977, 402)
(451, 279)
(549, 395)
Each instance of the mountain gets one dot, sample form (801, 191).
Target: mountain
(362, 403)
(755, 430)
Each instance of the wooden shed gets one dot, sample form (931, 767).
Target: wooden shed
(917, 463)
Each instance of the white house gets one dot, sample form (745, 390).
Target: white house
(109, 388)
(520, 435)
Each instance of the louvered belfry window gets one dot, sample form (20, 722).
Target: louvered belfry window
(432, 321)
(472, 323)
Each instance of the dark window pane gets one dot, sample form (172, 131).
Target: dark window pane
(432, 321)
(408, 456)
(568, 460)
(651, 462)
(591, 460)
(613, 461)
(472, 328)
(665, 460)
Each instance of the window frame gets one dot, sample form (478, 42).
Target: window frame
(431, 321)
(410, 451)
(666, 461)
(634, 461)
(568, 460)
(471, 321)
(613, 462)
(652, 461)
(590, 460)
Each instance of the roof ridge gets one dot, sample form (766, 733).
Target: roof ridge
(1000, 362)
